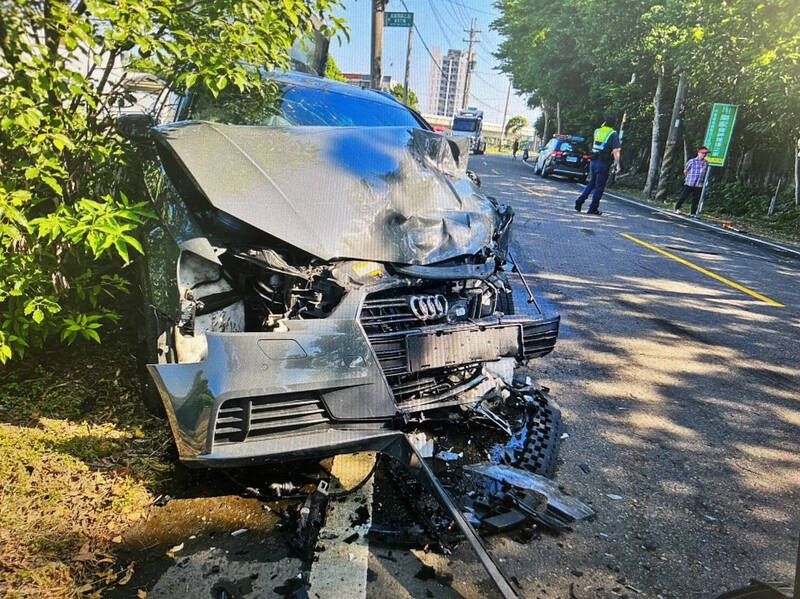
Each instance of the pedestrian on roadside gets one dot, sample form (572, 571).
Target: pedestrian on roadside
(514, 149)
(606, 147)
(695, 173)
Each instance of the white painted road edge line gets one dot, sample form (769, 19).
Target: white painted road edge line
(341, 570)
(771, 244)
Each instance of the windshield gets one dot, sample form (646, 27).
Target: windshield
(464, 124)
(295, 105)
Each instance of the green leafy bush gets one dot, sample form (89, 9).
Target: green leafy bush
(67, 229)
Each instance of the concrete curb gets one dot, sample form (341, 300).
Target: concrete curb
(778, 247)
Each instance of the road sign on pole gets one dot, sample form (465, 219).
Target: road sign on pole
(398, 19)
(719, 133)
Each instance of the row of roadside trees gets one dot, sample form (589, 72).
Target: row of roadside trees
(587, 57)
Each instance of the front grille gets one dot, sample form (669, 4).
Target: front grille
(259, 417)
(387, 321)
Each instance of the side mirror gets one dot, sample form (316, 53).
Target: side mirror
(135, 127)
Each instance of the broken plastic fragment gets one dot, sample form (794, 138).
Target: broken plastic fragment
(522, 479)
(614, 497)
(449, 456)
(422, 444)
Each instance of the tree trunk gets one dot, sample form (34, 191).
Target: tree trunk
(685, 148)
(797, 203)
(548, 126)
(653, 170)
(672, 139)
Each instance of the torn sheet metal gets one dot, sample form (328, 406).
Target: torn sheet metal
(386, 194)
(528, 481)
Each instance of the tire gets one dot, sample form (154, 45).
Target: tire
(545, 174)
(148, 331)
(505, 302)
(539, 170)
(147, 353)
(540, 453)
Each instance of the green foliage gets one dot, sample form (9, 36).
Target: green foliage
(66, 225)
(515, 123)
(332, 70)
(594, 57)
(397, 92)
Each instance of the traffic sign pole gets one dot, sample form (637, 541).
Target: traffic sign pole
(718, 140)
(703, 193)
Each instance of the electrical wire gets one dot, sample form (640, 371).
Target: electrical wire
(467, 6)
(422, 39)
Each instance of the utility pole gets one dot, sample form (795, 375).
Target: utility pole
(408, 65)
(672, 139)
(505, 114)
(468, 75)
(375, 70)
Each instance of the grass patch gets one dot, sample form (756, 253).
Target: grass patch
(742, 208)
(80, 462)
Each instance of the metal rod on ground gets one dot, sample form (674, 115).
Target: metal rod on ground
(408, 65)
(375, 70)
(531, 299)
(403, 451)
(703, 193)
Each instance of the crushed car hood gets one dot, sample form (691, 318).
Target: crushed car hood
(385, 194)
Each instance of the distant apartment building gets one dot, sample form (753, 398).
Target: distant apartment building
(364, 81)
(446, 86)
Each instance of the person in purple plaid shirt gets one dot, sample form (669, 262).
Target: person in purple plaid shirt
(695, 173)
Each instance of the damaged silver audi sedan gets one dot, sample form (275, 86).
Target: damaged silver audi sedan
(323, 268)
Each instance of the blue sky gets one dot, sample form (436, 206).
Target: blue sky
(440, 23)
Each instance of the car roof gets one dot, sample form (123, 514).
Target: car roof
(305, 80)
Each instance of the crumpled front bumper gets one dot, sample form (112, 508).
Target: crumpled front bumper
(317, 388)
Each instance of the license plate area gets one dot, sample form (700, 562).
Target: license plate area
(450, 348)
(572, 159)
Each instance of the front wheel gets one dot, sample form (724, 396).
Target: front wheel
(153, 347)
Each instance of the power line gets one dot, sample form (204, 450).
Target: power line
(457, 15)
(438, 19)
(467, 6)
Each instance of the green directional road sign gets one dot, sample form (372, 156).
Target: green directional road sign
(720, 132)
(398, 19)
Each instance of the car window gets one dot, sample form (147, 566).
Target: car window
(464, 124)
(296, 105)
(565, 146)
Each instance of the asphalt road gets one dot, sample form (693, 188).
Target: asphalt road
(681, 392)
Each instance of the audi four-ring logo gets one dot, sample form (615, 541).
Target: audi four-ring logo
(428, 307)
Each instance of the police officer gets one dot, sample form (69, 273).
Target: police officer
(606, 147)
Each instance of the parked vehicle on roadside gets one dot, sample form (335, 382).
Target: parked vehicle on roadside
(469, 124)
(565, 155)
(322, 269)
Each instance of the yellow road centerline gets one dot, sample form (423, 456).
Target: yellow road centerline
(708, 273)
(531, 191)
